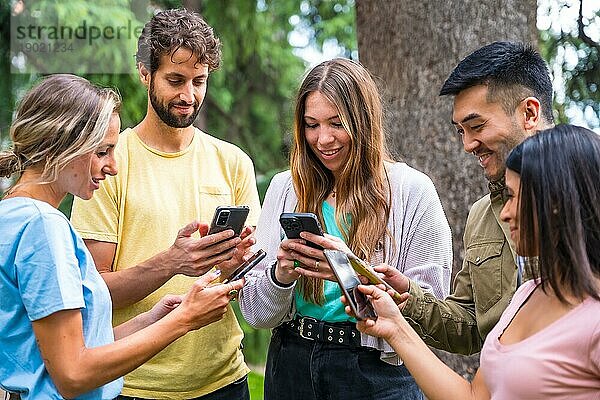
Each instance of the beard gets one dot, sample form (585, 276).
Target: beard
(169, 118)
(517, 135)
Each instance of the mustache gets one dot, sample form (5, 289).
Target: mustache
(183, 103)
(480, 150)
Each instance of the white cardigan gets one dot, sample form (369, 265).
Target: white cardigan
(417, 222)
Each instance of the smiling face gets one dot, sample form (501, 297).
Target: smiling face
(177, 88)
(324, 132)
(82, 176)
(486, 130)
(510, 211)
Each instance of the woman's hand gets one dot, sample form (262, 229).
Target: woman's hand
(389, 319)
(205, 302)
(163, 307)
(312, 262)
(326, 241)
(285, 269)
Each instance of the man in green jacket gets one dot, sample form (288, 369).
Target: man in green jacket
(502, 94)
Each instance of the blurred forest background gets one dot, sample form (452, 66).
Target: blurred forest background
(267, 46)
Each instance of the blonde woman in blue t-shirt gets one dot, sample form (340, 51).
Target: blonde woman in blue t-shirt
(56, 336)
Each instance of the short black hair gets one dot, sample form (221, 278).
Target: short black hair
(559, 210)
(511, 70)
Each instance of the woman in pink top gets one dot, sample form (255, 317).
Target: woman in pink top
(547, 343)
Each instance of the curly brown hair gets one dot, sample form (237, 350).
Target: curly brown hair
(170, 30)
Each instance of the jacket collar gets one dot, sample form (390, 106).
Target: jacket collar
(497, 190)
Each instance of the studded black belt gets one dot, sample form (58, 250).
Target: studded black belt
(340, 333)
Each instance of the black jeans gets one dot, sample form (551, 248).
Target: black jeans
(301, 369)
(237, 390)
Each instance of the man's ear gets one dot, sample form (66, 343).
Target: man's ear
(531, 111)
(144, 74)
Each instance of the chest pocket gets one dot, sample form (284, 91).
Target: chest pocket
(485, 268)
(210, 197)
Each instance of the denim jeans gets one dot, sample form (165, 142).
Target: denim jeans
(301, 369)
(237, 390)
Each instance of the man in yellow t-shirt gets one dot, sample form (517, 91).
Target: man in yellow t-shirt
(142, 226)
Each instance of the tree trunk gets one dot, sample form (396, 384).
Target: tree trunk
(411, 46)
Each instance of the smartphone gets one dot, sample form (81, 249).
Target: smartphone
(229, 217)
(246, 266)
(348, 281)
(294, 223)
(361, 267)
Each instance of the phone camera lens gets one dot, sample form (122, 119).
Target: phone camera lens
(223, 218)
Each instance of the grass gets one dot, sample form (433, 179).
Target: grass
(255, 383)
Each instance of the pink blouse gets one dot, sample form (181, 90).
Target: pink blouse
(562, 361)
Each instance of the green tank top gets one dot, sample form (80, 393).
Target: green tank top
(332, 309)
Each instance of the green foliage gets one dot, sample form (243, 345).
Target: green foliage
(76, 36)
(133, 94)
(575, 55)
(117, 58)
(248, 101)
(331, 22)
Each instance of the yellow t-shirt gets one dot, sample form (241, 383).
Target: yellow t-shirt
(141, 209)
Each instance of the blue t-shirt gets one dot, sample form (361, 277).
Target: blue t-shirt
(45, 268)
(332, 309)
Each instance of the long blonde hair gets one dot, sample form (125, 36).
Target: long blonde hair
(61, 118)
(362, 191)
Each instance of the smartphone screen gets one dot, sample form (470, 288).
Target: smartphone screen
(246, 266)
(348, 282)
(294, 223)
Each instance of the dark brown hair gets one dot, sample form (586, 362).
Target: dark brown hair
(559, 210)
(171, 30)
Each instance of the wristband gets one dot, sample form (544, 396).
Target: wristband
(274, 279)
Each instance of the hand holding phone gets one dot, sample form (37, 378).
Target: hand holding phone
(348, 281)
(246, 266)
(294, 223)
(362, 268)
(229, 217)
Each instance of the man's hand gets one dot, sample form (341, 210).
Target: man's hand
(195, 256)
(241, 253)
(394, 278)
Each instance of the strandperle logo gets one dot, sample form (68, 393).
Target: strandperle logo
(83, 31)
(76, 36)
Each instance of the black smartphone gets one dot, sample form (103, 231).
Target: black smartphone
(294, 223)
(229, 217)
(246, 266)
(348, 281)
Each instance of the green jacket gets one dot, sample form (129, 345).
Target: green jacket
(482, 289)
